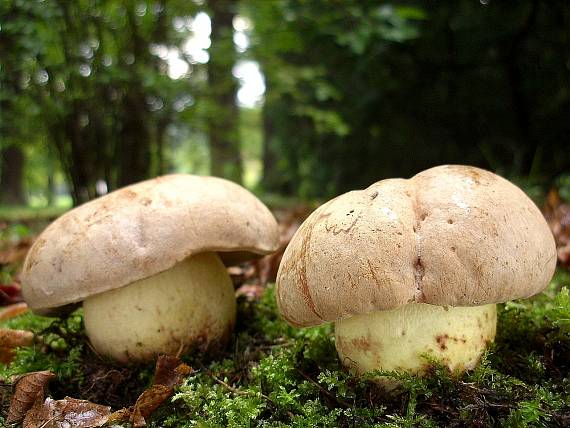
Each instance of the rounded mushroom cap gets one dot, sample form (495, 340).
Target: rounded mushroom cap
(451, 235)
(141, 230)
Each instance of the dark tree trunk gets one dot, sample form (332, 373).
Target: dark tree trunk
(50, 187)
(11, 155)
(12, 176)
(269, 158)
(225, 157)
(134, 153)
(81, 172)
(161, 166)
(134, 147)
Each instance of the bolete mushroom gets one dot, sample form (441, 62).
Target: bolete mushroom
(147, 261)
(412, 267)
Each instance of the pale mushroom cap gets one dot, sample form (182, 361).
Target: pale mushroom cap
(141, 230)
(450, 235)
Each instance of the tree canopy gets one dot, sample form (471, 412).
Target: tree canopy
(109, 92)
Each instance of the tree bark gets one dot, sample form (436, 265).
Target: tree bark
(12, 176)
(134, 153)
(134, 148)
(225, 156)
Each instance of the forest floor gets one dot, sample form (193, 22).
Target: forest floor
(272, 374)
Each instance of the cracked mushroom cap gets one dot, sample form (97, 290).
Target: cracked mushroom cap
(451, 236)
(141, 230)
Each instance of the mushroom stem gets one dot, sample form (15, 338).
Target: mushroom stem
(191, 304)
(399, 339)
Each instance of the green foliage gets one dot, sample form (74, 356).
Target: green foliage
(370, 89)
(14, 233)
(85, 87)
(274, 375)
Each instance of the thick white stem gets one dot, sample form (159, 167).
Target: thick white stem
(398, 339)
(190, 305)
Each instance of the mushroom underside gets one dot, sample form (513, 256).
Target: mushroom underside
(191, 305)
(406, 338)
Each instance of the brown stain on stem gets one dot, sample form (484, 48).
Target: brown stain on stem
(362, 343)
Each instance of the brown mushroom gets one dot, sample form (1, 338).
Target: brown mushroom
(412, 267)
(148, 263)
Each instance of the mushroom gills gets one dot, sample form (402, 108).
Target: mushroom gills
(400, 339)
(189, 305)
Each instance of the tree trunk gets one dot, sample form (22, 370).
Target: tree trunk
(12, 176)
(134, 148)
(134, 152)
(269, 160)
(225, 157)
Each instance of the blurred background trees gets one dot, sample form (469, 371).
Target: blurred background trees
(299, 97)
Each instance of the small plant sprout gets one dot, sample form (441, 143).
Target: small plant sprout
(409, 269)
(148, 263)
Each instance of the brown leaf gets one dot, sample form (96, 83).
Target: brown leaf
(28, 388)
(148, 402)
(557, 214)
(13, 311)
(10, 293)
(12, 339)
(268, 266)
(170, 371)
(67, 413)
(38, 413)
(164, 372)
(120, 416)
(250, 278)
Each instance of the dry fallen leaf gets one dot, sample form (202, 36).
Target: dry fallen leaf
(557, 214)
(10, 293)
(37, 414)
(13, 311)
(268, 266)
(169, 372)
(29, 388)
(67, 413)
(148, 402)
(251, 278)
(122, 415)
(12, 339)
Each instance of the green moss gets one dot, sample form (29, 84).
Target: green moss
(274, 375)
(58, 346)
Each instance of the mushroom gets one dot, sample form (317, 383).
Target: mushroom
(409, 268)
(147, 261)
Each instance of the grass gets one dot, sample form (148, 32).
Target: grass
(274, 375)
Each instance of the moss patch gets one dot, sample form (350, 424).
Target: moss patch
(275, 375)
